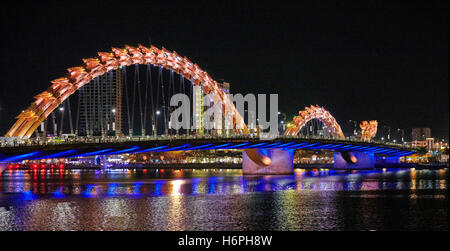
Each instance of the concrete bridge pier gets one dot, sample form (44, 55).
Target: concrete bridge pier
(354, 160)
(268, 162)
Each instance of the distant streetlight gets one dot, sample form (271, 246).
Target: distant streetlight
(158, 112)
(113, 110)
(61, 109)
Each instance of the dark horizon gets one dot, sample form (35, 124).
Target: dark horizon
(366, 62)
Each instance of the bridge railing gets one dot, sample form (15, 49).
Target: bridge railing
(16, 142)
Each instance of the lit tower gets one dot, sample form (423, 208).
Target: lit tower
(198, 109)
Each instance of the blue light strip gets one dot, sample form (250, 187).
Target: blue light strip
(255, 145)
(321, 146)
(402, 153)
(328, 146)
(125, 150)
(343, 147)
(173, 148)
(334, 146)
(296, 146)
(392, 151)
(306, 146)
(93, 153)
(20, 157)
(236, 146)
(273, 144)
(217, 147)
(150, 149)
(198, 147)
(364, 148)
(373, 148)
(382, 149)
(284, 145)
(354, 147)
(57, 155)
(311, 146)
(358, 147)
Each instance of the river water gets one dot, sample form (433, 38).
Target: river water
(385, 199)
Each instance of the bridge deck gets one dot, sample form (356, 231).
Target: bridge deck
(81, 149)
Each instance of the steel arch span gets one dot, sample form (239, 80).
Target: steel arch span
(314, 112)
(61, 88)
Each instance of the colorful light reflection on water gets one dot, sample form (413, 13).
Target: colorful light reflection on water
(212, 199)
(193, 182)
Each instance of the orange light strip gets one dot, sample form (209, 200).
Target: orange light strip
(314, 112)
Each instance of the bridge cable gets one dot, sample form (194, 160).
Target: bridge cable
(82, 90)
(146, 99)
(140, 98)
(92, 99)
(173, 93)
(182, 87)
(91, 105)
(163, 104)
(70, 115)
(45, 129)
(191, 86)
(100, 106)
(136, 70)
(149, 75)
(124, 77)
(157, 99)
(62, 119)
(77, 119)
(168, 94)
(54, 124)
(171, 90)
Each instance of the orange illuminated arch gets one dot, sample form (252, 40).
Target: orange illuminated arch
(314, 112)
(368, 130)
(61, 88)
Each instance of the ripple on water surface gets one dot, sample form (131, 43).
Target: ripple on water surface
(223, 200)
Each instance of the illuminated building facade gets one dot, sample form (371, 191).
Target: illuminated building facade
(420, 134)
(198, 109)
(101, 105)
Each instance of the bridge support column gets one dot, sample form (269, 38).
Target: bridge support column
(268, 162)
(354, 160)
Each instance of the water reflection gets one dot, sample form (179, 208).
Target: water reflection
(134, 183)
(223, 200)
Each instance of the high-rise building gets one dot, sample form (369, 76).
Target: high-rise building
(420, 134)
(225, 86)
(198, 109)
(101, 105)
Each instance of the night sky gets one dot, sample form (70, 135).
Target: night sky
(361, 62)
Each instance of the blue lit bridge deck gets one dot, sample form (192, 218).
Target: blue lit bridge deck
(86, 149)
